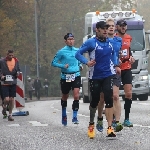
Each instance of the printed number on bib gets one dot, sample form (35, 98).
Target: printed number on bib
(70, 77)
(124, 53)
(9, 78)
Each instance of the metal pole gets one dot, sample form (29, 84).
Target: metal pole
(36, 38)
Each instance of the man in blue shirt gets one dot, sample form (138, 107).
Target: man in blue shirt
(101, 72)
(117, 43)
(70, 76)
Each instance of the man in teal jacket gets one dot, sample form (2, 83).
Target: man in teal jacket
(70, 76)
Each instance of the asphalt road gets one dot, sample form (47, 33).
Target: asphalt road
(42, 129)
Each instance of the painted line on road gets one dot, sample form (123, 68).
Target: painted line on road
(36, 123)
(13, 125)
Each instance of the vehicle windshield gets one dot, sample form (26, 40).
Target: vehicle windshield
(138, 42)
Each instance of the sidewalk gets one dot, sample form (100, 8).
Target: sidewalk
(35, 99)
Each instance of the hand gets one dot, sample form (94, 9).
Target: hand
(118, 70)
(132, 60)
(2, 77)
(91, 63)
(66, 66)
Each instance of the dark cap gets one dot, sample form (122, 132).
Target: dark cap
(101, 24)
(68, 35)
(121, 22)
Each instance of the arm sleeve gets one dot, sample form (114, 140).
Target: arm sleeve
(55, 61)
(86, 47)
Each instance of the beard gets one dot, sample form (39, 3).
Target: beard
(122, 33)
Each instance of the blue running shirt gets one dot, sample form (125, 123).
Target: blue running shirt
(102, 53)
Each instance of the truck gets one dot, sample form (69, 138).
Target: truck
(139, 47)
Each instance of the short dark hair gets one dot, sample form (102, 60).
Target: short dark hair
(10, 51)
(101, 24)
(121, 22)
(68, 35)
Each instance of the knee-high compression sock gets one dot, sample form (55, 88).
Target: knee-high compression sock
(92, 114)
(75, 108)
(127, 107)
(64, 105)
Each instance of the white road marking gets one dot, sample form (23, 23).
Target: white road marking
(36, 123)
(13, 125)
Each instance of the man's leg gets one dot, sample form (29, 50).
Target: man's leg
(75, 106)
(11, 106)
(65, 88)
(108, 97)
(12, 94)
(5, 93)
(126, 76)
(117, 109)
(95, 89)
(127, 105)
(99, 125)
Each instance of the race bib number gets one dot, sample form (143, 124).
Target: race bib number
(70, 77)
(9, 78)
(124, 53)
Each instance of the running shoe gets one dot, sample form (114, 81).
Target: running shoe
(75, 120)
(64, 120)
(91, 131)
(10, 118)
(110, 132)
(127, 123)
(99, 125)
(117, 126)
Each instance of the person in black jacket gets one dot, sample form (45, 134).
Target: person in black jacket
(37, 86)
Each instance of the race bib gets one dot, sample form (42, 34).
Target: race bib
(124, 53)
(9, 78)
(46, 85)
(70, 77)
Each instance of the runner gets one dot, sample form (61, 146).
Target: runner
(116, 42)
(9, 70)
(100, 74)
(70, 76)
(126, 74)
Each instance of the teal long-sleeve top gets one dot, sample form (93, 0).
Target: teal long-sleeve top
(64, 56)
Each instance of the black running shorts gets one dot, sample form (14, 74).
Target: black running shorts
(126, 76)
(67, 86)
(117, 80)
(9, 90)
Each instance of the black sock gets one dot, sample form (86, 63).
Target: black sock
(100, 119)
(127, 107)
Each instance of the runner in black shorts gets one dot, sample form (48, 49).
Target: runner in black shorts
(70, 76)
(117, 42)
(126, 60)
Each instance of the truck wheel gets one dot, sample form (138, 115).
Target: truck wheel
(85, 99)
(143, 97)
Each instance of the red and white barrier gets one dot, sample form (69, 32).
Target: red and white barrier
(19, 99)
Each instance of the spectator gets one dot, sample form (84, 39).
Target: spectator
(37, 86)
(46, 86)
(30, 88)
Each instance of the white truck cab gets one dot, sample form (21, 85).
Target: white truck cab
(140, 41)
